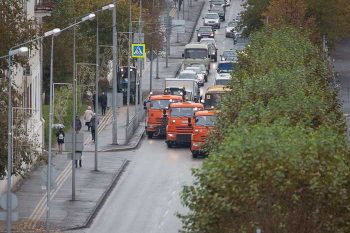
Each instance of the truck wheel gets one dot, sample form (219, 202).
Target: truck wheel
(149, 135)
(194, 154)
(168, 144)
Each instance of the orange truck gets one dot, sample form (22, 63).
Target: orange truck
(179, 125)
(156, 108)
(203, 121)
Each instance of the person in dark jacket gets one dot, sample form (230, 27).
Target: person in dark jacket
(60, 139)
(93, 126)
(103, 101)
(77, 124)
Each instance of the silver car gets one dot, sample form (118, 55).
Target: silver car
(200, 76)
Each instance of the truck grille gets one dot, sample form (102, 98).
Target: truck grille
(184, 129)
(159, 120)
(182, 138)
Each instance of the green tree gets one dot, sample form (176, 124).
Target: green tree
(279, 157)
(15, 28)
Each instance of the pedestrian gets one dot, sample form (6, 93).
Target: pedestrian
(103, 101)
(87, 117)
(60, 138)
(77, 124)
(180, 3)
(94, 126)
(175, 1)
(94, 101)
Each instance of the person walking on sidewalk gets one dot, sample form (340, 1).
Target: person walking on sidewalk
(87, 117)
(103, 101)
(60, 138)
(77, 124)
(94, 126)
(175, 1)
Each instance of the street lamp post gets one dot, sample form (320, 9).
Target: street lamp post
(110, 6)
(83, 19)
(114, 81)
(51, 33)
(128, 88)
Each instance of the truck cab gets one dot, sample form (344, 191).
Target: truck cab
(203, 122)
(213, 96)
(179, 128)
(157, 109)
(196, 53)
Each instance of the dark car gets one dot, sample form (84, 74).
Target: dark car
(205, 31)
(228, 55)
(220, 10)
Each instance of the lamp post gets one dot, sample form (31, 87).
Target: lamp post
(83, 19)
(107, 7)
(114, 81)
(51, 33)
(128, 90)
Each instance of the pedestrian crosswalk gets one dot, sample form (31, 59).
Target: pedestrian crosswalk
(172, 13)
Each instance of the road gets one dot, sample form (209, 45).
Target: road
(146, 197)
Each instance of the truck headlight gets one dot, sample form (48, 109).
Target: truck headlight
(212, 34)
(198, 34)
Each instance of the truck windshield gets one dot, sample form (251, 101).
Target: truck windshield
(159, 104)
(211, 100)
(182, 112)
(196, 53)
(205, 120)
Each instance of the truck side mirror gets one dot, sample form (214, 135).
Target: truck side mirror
(144, 105)
(183, 55)
(164, 112)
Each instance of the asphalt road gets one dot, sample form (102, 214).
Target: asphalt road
(146, 198)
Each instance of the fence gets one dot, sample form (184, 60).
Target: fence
(135, 122)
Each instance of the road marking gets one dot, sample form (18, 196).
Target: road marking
(172, 12)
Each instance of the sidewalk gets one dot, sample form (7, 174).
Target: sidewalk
(92, 187)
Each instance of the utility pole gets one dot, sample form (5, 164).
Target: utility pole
(114, 81)
(97, 78)
(129, 54)
(138, 82)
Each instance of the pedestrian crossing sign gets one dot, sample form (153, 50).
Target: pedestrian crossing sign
(138, 50)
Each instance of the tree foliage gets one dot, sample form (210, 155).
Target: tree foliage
(279, 157)
(15, 28)
(331, 18)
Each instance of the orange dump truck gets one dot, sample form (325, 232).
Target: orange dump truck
(157, 104)
(179, 127)
(202, 123)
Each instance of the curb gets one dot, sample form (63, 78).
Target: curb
(102, 199)
(130, 147)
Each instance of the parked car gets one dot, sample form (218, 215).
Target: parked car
(203, 70)
(220, 10)
(200, 76)
(212, 19)
(228, 55)
(205, 31)
(225, 67)
(230, 29)
(213, 51)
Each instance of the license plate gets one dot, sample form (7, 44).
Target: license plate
(184, 122)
